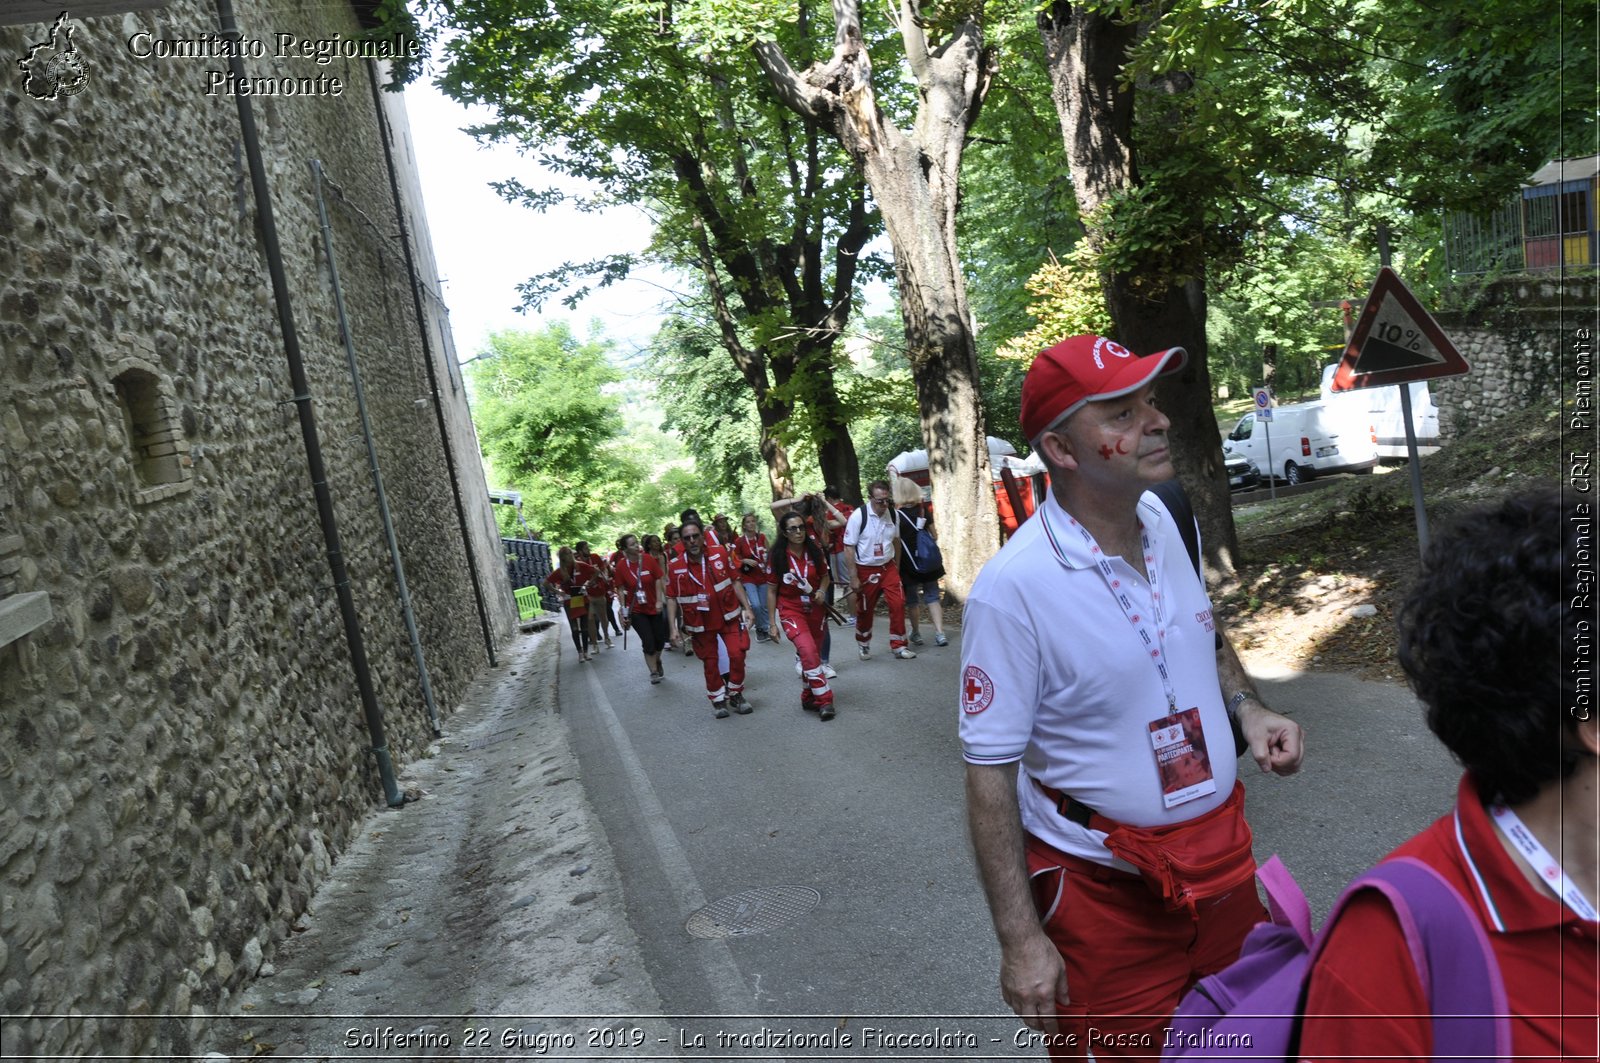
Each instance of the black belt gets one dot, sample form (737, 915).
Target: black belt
(1067, 806)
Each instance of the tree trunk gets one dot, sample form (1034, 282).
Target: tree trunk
(914, 182)
(1085, 53)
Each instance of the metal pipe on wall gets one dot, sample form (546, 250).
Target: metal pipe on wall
(308, 423)
(372, 455)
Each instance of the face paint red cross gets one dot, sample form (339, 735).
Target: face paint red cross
(973, 689)
(1106, 452)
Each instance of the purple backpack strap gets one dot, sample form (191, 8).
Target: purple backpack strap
(1286, 903)
(1452, 956)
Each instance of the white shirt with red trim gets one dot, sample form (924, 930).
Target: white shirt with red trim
(1055, 675)
(872, 538)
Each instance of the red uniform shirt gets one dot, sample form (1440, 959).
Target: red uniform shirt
(1549, 957)
(752, 548)
(801, 567)
(598, 581)
(570, 584)
(704, 590)
(638, 582)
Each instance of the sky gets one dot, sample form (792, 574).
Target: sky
(485, 246)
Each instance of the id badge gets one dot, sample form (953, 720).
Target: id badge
(702, 603)
(1182, 761)
(805, 601)
(638, 596)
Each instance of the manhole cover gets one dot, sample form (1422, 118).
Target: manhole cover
(753, 911)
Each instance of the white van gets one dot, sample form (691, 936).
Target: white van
(1307, 440)
(1380, 408)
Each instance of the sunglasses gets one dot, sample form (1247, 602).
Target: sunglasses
(791, 529)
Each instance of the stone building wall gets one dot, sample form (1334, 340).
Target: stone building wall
(182, 747)
(1514, 332)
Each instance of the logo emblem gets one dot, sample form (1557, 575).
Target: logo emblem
(54, 68)
(977, 690)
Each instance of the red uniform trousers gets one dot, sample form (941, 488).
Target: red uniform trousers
(1129, 960)
(737, 640)
(803, 629)
(881, 580)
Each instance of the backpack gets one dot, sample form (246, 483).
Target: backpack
(1253, 1008)
(922, 552)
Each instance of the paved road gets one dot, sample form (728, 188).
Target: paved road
(867, 812)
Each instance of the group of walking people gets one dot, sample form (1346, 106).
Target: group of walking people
(707, 589)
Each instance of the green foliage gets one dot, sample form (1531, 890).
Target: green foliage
(549, 430)
(708, 405)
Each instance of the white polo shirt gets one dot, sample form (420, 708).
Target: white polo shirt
(1055, 675)
(872, 540)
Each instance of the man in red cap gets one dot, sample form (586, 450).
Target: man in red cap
(1116, 861)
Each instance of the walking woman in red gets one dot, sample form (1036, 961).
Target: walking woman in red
(641, 584)
(569, 579)
(795, 599)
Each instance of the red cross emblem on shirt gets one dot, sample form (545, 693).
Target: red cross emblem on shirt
(977, 690)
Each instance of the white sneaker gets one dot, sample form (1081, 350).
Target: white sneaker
(797, 669)
(864, 653)
(904, 654)
(828, 672)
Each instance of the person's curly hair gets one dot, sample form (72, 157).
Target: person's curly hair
(1481, 638)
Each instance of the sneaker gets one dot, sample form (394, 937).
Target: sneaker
(655, 678)
(826, 711)
(828, 672)
(720, 708)
(797, 669)
(940, 640)
(807, 704)
(916, 638)
(609, 644)
(864, 652)
(904, 654)
(739, 705)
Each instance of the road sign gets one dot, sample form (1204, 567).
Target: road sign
(1395, 341)
(1264, 413)
(1263, 399)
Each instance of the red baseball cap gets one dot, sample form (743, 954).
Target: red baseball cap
(1083, 369)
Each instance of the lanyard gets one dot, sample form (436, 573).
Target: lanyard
(805, 572)
(1156, 643)
(1547, 867)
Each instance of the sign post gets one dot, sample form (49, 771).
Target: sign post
(1396, 341)
(1263, 401)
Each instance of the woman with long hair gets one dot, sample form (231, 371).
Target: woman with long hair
(569, 580)
(795, 597)
(641, 582)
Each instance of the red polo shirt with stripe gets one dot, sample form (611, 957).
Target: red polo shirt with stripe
(1366, 1002)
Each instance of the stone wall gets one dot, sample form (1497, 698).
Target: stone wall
(1514, 333)
(182, 747)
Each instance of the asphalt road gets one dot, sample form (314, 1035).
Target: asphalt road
(828, 862)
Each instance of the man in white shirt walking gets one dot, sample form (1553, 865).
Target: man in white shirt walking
(871, 560)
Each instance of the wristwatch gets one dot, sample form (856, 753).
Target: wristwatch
(1239, 699)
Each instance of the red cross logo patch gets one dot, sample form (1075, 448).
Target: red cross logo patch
(977, 690)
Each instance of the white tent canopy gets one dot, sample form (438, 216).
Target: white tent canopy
(908, 462)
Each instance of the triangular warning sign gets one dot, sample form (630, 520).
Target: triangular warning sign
(1395, 341)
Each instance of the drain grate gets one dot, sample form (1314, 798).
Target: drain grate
(752, 911)
(489, 740)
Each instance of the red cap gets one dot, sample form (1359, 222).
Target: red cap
(1083, 369)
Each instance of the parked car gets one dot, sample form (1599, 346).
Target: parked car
(1241, 474)
(1303, 440)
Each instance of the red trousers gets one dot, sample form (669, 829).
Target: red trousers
(881, 580)
(803, 628)
(737, 640)
(1129, 960)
